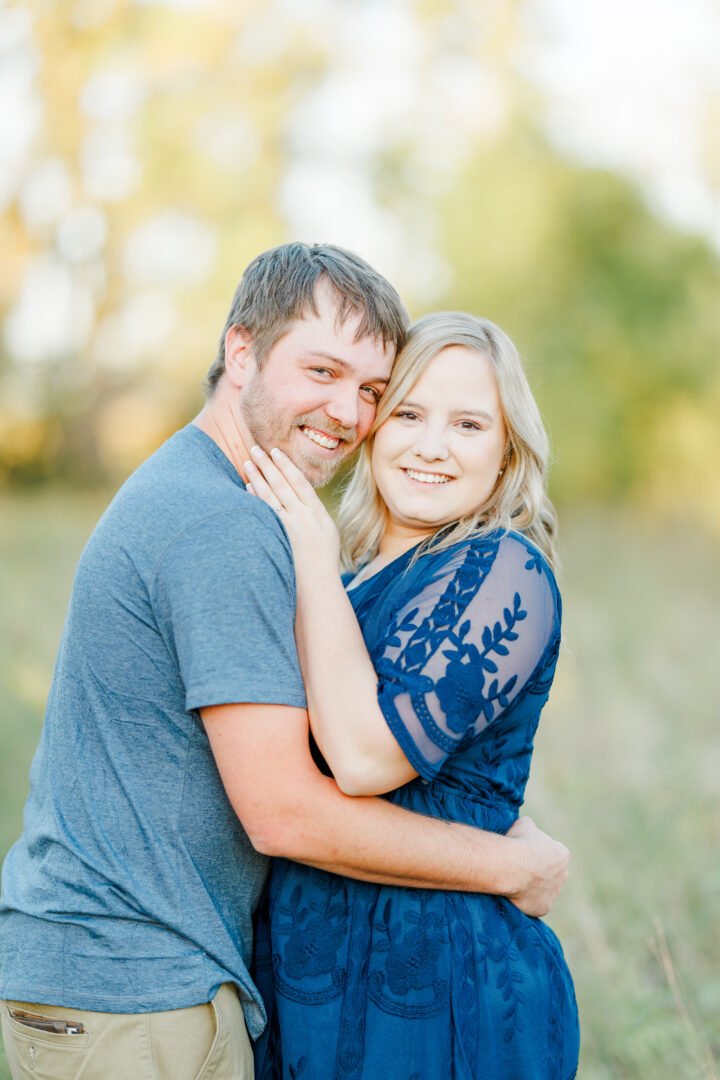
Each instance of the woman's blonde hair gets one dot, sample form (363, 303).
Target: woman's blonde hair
(519, 499)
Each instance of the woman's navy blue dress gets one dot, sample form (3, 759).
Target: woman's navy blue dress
(375, 982)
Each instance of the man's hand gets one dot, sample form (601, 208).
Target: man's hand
(547, 865)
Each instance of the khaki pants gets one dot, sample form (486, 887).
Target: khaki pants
(206, 1042)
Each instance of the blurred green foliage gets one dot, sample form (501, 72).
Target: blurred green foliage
(616, 310)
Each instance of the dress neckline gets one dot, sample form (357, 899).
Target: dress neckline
(351, 589)
(379, 576)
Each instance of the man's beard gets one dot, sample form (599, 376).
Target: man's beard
(268, 429)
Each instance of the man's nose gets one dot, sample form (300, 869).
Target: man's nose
(343, 406)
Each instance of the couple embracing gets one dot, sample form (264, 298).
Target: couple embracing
(399, 937)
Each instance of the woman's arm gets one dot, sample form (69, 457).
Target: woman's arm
(340, 680)
(341, 687)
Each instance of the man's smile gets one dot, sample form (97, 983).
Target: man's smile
(320, 438)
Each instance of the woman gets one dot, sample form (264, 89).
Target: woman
(425, 682)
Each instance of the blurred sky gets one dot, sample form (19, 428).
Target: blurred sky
(627, 85)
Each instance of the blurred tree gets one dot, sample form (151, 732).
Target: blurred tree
(151, 182)
(164, 138)
(616, 311)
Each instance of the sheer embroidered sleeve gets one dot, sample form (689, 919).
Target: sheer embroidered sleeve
(478, 630)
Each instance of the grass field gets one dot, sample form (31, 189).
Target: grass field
(626, 769)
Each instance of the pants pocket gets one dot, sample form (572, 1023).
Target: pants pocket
(231, 1056)
(40, 1055)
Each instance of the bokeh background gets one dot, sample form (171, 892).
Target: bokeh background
(552, 165)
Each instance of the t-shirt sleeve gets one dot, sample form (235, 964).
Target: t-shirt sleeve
(224, 595)
(460, 652)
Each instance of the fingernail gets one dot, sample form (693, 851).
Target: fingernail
(248, 465)
(255, 450)
(249, 487)
(275, 453)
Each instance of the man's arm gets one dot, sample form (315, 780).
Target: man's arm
(288, 808)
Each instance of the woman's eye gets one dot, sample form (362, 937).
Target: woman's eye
(469, 425)
(405, 414)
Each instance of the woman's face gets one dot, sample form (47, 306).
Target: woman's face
(437, 457)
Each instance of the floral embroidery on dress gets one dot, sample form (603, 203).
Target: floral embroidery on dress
(312, 933)
(407, 981)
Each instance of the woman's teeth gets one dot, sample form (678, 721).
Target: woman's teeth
(319, 438)
(428, 477)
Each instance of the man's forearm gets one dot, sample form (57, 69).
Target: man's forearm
(290, 809)
(375, 840)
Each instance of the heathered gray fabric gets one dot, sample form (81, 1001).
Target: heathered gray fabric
(133, 884)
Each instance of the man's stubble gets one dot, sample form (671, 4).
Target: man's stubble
(270, 429)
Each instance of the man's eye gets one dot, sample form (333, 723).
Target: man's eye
(321, 371)
(370, 394)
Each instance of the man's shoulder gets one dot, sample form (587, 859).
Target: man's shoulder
(244, 530)
(185, 495)
(188, 470)
(185, 481)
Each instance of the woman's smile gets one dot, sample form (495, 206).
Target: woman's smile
(427, 477)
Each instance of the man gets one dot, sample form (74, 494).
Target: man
(177, 708)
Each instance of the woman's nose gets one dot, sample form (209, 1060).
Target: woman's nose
(431, 446)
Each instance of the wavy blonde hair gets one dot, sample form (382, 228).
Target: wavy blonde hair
(519, 499)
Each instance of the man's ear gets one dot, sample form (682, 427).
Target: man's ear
(238, 355)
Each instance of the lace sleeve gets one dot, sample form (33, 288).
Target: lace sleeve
(460, 653)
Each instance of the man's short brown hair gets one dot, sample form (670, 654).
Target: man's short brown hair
(280, 286)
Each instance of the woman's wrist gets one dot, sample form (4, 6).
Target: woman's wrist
(317, 578)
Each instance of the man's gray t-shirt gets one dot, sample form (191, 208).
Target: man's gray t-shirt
(133, 884)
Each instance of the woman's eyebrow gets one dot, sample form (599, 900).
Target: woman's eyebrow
(481, 414)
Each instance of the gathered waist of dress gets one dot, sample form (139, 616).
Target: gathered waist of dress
(484, 810)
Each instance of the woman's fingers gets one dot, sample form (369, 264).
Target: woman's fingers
(297, 480)
(259, 486)
(261, 465)
(284, 477)
(308, 524)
